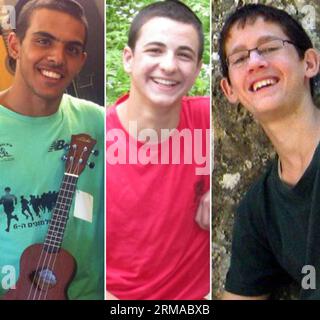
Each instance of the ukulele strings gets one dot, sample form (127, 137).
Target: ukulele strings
(54, 225)
(43, 251)
(74, 171)
(50, 240)
(57, 225)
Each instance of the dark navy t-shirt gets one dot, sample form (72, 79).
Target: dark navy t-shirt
(276, 233)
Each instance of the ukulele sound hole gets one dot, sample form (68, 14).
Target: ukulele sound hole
(45, 279)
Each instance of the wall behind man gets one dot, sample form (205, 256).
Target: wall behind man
(241, 149)
(90, 82)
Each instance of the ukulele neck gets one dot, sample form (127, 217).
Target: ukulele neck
(60, 213)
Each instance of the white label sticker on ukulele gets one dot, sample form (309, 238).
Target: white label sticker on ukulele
(83, 206)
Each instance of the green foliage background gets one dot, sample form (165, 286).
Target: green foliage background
(119, 16)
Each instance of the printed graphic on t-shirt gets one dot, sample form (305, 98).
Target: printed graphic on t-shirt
(5, 153)
(58, 145)
(27, 211)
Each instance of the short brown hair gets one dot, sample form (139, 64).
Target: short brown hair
(70, 7)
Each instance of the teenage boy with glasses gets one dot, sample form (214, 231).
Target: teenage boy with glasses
(268, 63)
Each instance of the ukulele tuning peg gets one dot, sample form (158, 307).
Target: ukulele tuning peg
(66, 146)
(64, 158)
(95, 152)
(91, 165)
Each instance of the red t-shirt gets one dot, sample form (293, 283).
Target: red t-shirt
(155, 249)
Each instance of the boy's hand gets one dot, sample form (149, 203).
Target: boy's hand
(110, 296)
(203, 212)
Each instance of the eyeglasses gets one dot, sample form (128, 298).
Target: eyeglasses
(267, 50)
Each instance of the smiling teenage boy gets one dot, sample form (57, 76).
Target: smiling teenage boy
(268, 64)
(158, 210)
(37, 121)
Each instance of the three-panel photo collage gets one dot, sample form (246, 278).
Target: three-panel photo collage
(159, 150)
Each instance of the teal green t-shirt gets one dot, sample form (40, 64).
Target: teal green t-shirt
(31, 169)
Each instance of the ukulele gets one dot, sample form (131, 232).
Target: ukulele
(6, 67)
(46, 270)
